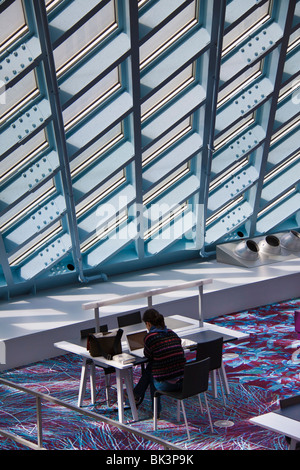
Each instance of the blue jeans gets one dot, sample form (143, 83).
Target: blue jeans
(147, 380)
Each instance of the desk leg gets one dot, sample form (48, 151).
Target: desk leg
(82, 385)
(107, 378)
(213, 377)
(293, 444)
(126, 375)
(119, 381)
(224, 379)
(92, 382)
(128, 382)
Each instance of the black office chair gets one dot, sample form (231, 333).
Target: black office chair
(129, 319)
(195, 382)
(214, 350)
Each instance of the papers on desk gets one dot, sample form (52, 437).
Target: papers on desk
(124, 358)
(186, 343)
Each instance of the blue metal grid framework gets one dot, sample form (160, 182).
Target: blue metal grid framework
(135, 133)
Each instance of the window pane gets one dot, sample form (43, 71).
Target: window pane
(28, 203)
(84, 36)
(159, 147)
(96, 197)
(21, 156)
(244, 79)
(96, 150)
(12, 19)
(93, 97)
(233, 37)
(165, 93)
(166, 34)
(17, 96)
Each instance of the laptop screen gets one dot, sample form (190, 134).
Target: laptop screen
(136, 340)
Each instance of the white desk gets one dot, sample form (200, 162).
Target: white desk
(123, 373)
(181, 325)
(279, 424)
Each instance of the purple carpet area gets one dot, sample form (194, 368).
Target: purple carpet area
(260, 369)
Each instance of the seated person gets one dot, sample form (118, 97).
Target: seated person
(163, 348)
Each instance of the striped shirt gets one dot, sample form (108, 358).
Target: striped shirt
(163, 348)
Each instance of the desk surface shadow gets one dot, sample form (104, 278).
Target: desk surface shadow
(292, 412)
(208, 335)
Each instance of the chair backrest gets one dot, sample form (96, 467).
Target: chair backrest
(195, 378)
(129, 319)
(284, 403)
(85, 333)
(212, 349)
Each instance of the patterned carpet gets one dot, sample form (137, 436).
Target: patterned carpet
(260, 370)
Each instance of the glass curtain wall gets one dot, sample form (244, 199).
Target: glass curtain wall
(137, 133)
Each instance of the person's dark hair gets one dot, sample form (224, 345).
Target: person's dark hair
(154, 317)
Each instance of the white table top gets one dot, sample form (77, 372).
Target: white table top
(182, 326)
(74, 348)
(279, 423)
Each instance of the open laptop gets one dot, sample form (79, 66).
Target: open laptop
(135, 341)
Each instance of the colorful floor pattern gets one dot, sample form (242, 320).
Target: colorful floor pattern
(260, 371)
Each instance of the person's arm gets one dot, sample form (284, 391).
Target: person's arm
(147, 350)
